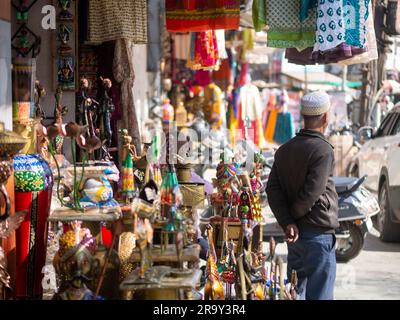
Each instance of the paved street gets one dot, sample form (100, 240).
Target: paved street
(374, 274)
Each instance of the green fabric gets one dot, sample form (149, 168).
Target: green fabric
(285, 28)
(259, 14)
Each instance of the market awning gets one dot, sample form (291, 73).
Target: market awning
(315, 80)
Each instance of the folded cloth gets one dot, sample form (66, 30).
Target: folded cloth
(335, 55)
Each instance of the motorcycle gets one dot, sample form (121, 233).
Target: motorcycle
(356, 208)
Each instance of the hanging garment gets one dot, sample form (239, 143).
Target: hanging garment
(124, 74)
(251, 111)
(220, 36)
(285, 28)
(331, 29)
(284, 128)
(202, 77)
(117, 19)
(270, 130)
(203, 51)
(393, 18)
(337, 54)
(212, 101)
(200, 15)
(223, 76)
(154, 31)
(248, 41)
(355, 16)
(181, 45)
(259, 14)
(371, 44)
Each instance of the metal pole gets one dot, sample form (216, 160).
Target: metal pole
(344, 78)
(305, 80)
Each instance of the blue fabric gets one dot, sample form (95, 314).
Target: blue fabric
(284, 129)
(313, 257)
(305, 6)
(354, 24)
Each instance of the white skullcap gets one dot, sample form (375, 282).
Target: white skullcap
(315, 104)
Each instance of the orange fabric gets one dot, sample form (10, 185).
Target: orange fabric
(270, 130)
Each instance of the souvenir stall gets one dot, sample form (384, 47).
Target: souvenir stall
(110, 191)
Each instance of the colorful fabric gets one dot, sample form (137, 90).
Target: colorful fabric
(371, 45)
(284, 129)
(330, 26)
(355, 27)
(201, 15)
(31, 173)
(305, 7)
(259, 14)
(128, 181)
(212, 101)
(285, 28)
(270, 130)
(337, 54)
(203, 51)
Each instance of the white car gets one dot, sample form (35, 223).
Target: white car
(379, 159)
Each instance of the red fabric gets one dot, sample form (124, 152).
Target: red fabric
(31, 242)
(253, 132)
(201, 15)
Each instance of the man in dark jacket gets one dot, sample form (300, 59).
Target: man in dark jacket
(302, 196)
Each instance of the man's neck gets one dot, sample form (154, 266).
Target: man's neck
(319, 130)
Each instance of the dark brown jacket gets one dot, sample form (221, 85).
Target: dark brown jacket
(300, 188)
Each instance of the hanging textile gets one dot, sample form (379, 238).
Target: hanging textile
(371, 44)
(248, 41)
(284, 128)
(223, 76)
(251, 110)
(212, 101)
(259, 14)
(117, 19)
(202, 77)
(154, 31)
(124, 74)
(200, 15)
(331, 29)
(285, 28)
(335, 55)
(270, 129)
(181, 45)
(220, 36)
(355, 26)
(203, 51)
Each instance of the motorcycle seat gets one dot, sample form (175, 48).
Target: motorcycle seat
(344, 184)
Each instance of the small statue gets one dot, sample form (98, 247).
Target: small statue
(63, 35)
(74, 263)
(213, 289)
(106, 108)
(128, 156)
(65, 15)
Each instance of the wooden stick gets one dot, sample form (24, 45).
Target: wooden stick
(103, 271)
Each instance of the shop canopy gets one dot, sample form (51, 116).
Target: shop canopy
(320, 80)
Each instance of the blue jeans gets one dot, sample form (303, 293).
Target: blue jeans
(313, 257)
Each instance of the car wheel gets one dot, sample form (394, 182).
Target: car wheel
(390, 231)
(350, 248)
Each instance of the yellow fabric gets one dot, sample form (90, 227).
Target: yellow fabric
(212, 101)
(270, 130)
